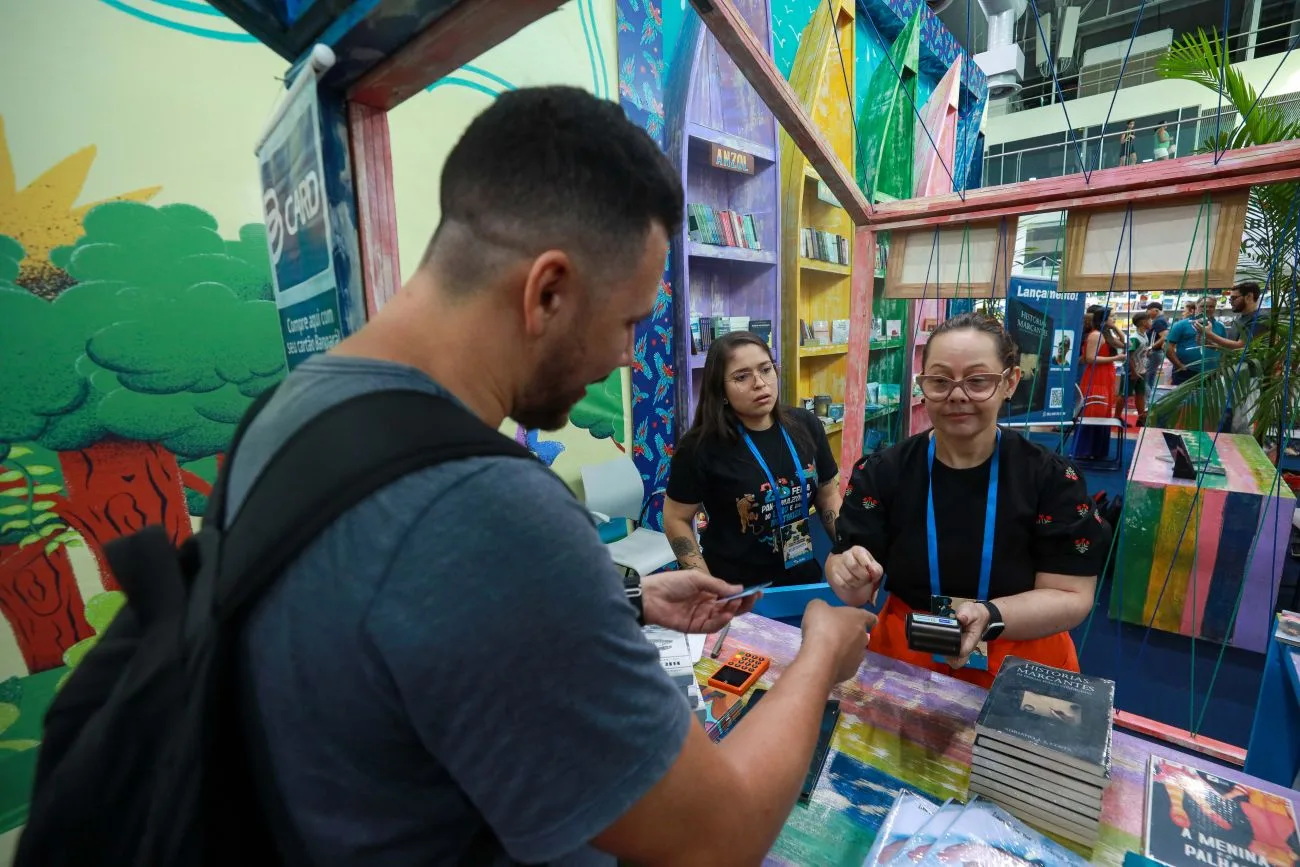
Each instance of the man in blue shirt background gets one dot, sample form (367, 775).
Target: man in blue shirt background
(1186, 347)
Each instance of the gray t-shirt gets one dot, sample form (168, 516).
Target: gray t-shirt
(455, 650)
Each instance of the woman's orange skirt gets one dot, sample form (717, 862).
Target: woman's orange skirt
(890, 639)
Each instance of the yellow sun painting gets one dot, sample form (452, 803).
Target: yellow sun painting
(42, 216)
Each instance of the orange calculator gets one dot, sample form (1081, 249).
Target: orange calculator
(740, 673)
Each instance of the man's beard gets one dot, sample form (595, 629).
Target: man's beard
(546, 403)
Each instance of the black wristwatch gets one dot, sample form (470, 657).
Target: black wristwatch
(632, 587)
(996, 627)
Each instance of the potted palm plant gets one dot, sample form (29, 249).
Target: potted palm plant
(1270, 239)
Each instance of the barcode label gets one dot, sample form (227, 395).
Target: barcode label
(1056, 398)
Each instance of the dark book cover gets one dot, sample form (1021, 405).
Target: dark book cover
(1031, 329)
(762, 328)
(1053, 713)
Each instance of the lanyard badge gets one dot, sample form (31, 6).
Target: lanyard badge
(793, 538)
(944, 606)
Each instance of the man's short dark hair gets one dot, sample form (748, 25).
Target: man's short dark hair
(1140, 318)
(1247, 287)
(551, 168)
(1156, 305)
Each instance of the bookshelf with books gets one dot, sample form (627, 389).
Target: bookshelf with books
(927, 313)
(725, 269)
(887, 370)
(816, 233)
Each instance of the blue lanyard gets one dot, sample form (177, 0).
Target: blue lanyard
(990, 511)
(798, 468)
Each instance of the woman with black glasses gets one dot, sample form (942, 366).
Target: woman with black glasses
(756, 468)
(971, 518)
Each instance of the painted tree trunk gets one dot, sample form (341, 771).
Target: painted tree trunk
(117, 487)
(40, 599)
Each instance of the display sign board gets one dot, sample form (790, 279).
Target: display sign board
(732, 160)
(296, 212)
(1047, 326)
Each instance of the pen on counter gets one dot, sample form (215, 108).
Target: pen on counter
(722, 636)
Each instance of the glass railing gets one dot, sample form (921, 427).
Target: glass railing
(1097, 149)
(1102, 78)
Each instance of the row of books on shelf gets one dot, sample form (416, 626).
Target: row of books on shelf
(824, 246)
(823, 332)
(706, 329)
(724, 228)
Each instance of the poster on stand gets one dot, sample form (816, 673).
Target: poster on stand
(1047, 326)
(297, 234)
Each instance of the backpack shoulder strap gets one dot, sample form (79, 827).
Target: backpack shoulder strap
(216, 510)
(335, 461)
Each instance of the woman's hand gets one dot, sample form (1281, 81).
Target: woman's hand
(974, 620)
(854, 576)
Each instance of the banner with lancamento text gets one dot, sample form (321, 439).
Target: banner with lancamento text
(297, 231)
(1047, 326)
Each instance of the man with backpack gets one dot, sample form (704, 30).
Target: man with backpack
(448, 668)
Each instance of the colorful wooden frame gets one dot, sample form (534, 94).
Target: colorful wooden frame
(1146, 247)
(972, 260)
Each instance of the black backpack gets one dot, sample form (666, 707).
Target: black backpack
(144, 761)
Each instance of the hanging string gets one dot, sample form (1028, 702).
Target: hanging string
(1223, 81)
(839, 50)
(1119, 82)
(1285, 426)
(1126, 230)
(1259, 96)
(961, 193)
(1200, 211)
(1056, 83)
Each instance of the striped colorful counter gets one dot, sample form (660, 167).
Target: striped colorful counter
(906, 728)
(1185, 551)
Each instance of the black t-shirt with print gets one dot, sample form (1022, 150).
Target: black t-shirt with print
(1045, 519)
(739, 544)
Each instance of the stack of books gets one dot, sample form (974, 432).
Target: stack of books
(1288, 629)
(678, 654)
(824, 246)
(1042, 747)
(706, 329)
(724, 228)
(917, 831)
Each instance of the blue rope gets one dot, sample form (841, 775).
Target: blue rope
(1115, 93)
(1223, 77)
(1259, 96)
(1051, 63)
(1277, 476)
(961, 193)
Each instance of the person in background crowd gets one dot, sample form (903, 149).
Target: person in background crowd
(1185, 344)
(1013, 538)
(1156, 335)
(1164, 144)
(756, 468)
(1249, 324)
(1099, 356)
(1128, 146)
(435, 689)
(1139, 350)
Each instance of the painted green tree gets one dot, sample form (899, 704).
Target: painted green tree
(153, 355)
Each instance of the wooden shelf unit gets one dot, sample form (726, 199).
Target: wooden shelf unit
(813, 289)
(710, 103)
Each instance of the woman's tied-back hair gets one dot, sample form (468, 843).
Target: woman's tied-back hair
(1007, 349)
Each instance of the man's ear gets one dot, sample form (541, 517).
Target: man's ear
(547, 290)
